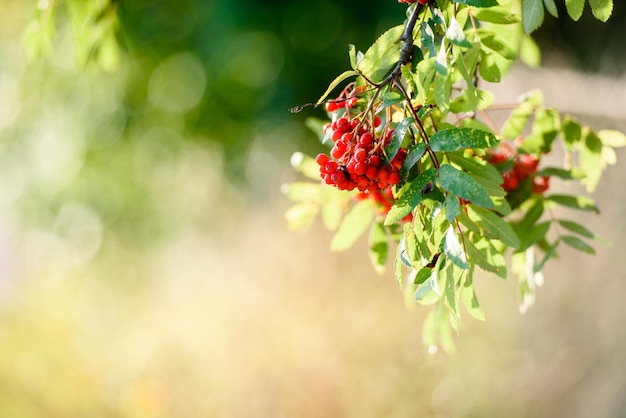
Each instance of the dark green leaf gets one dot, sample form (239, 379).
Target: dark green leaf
(463, 185)
(493, 225)
(575, 8)
(449, 140)
(397, 137)
(574, 202)
(354, 225)
(532, 235)
(410, 197)
(572, 131)
(577, 244)
(383, 55)
(532, 215)
(576, 228)
(477, 3)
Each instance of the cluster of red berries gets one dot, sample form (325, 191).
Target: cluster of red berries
(524, 167)
(357, 159)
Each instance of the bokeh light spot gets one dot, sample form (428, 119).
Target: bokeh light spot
(178, 83)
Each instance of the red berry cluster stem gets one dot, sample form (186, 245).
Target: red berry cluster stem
(524, 167)
(357, 158)
(413, 1)
(346, 100)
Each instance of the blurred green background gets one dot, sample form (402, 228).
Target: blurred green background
(145, 267)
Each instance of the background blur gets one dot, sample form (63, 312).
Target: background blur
(145, 266)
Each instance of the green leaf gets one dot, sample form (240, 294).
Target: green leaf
(575, 8)
(546, 126)
(301, 215)
(354, 225)
(551, 7)
(428, 39)
(397, 137)
(575, 202)
(517, 120)
(471, 303)
(463, 185)
(422, 275)
(340, 78)
(488, 68)
(453, 207)
(455, 34)
(352, 55)
(486, 257)
(382, 56)
(572, 132)
(576, 228)
(493, 225)
(477, 167)
(601, 9)
(397, 268)
(410, 197)
(378, 246)
(532, 235)
(529, 52)
(498, 15)
(442, 92)
(453, 249)
(561, 173)
(448, 140)
(302, 191)
(590, 160)
(577, 244)
(612, 138)
(532, 15)
(533, 214)
(497, 43)
(477, 3)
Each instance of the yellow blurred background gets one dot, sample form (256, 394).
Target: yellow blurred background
(145, 265)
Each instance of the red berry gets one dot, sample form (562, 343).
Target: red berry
(360, 154)
(374, 161)
(526, 165)
(321, 159)
(511, 182)
(372, 173)
(360, 169)
(541, 184)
